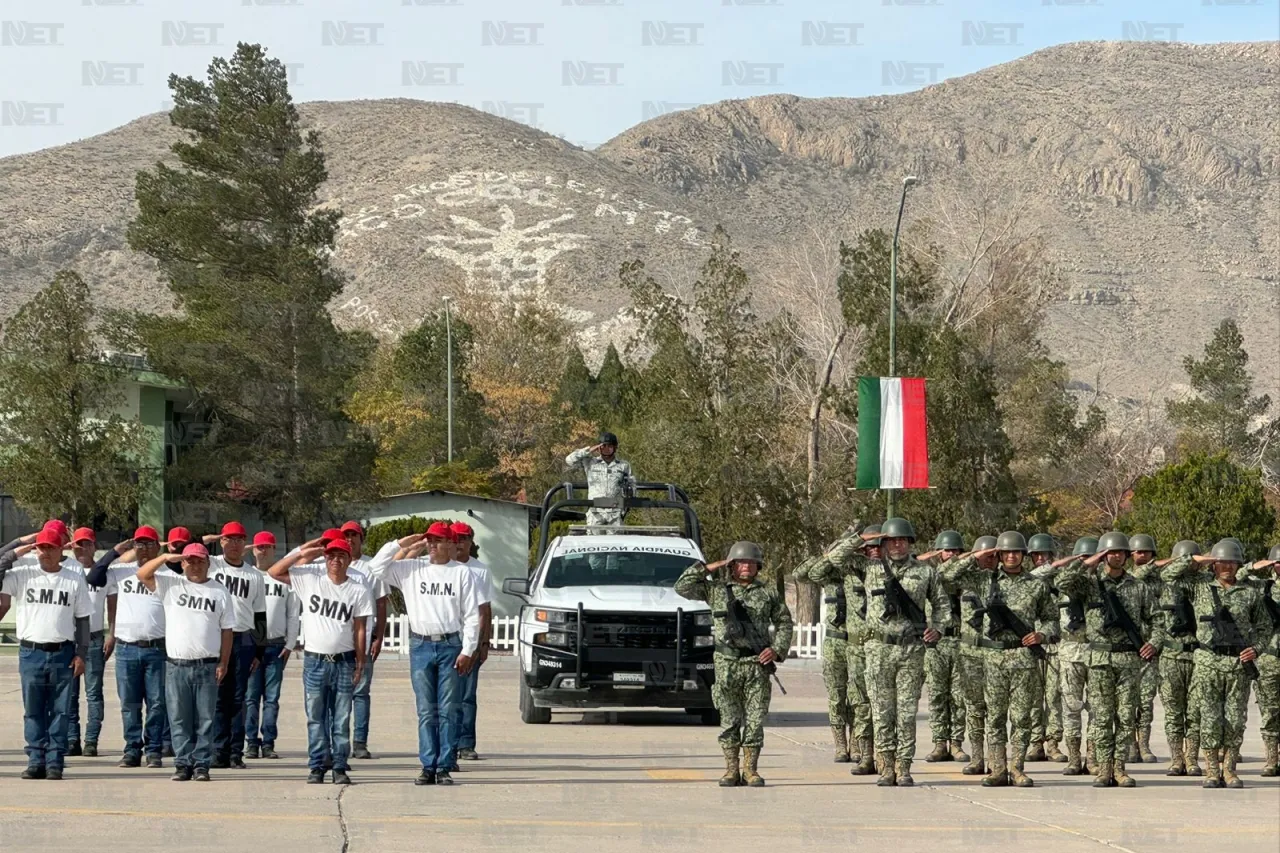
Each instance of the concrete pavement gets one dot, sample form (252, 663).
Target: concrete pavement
(605, 782)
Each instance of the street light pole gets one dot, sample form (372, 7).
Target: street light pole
(907, 183)
(448, 332)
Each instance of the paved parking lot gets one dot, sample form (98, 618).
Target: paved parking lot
(604, 782)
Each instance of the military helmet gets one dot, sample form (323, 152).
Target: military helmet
(897, 528)
(1185, 548)
(1011, 540)
(949, 540)
(1113, 541)
(869, 529)
(608, 438)
(1086, 546)
(1042, 543)
(1142, 542)
(1274, 553)
(1228, 550)
(745, 551)
(984, 543)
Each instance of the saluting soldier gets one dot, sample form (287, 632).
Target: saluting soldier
(1263, 575)
(1142, 549)
(742, 609)
(1177, 665)
(944, 672)
(972, 658)
(607, 476)
(1046, 720)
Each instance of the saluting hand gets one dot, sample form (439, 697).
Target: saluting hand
(411, 539)
(310, 552)
(123, 546)
(1095, 559)
(1202, 559)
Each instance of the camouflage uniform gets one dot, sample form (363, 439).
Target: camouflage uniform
(1149, 686)
(835, 668)
(604, 480)
(1012, 680)
(1268, 686)
(1072, 678)
(742, 688)
(1177, 676)
(970, 660)
(1115, 668)
(943, 674)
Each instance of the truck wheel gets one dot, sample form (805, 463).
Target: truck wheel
(529, 712)
(706, 716)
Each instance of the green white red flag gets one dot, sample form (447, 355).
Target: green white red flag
(893, 434)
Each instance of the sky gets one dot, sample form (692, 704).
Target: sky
(582, 69)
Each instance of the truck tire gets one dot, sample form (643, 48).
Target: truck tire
(706, 716)
(529, 712)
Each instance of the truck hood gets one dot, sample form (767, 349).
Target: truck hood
(637, 599)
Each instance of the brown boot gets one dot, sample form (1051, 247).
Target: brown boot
(731, 777)
(1131, 753)
(1192, 755)
(888, 770)
(1144, 746)
(1123, 779)
(1075, 765)
(941, 752)
(1177, 761)
(1270, 764)
(976, 766)
(1036, 753)
(839, 734)
(1229, 777)
(1017, 775)
(957, 751)
(750, 757)
(903, 769)
(866, 759)
(1052, 753)
(1104, 777)
(855, 751)
(1213, 769)
(999, 775)
(1090, 757)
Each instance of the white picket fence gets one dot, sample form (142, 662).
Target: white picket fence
(805, 643)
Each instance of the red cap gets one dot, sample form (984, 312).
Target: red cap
(234, 528)
(337, 545)
(461, 529)
(179, 534)
(146, 531)
(264, 537)
(84, 534)
(441, 530)
(331, 533)
(49, 537)
(58, 526)
(353, 527)
(195, 549)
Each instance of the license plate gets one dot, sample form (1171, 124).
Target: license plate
(628, 678)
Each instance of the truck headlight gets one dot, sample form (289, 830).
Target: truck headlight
(702, 620)
(552, 617)
(552, 638)
(705, 640)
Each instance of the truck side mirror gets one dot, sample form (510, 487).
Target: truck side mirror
(518, 587)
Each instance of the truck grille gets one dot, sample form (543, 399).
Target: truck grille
(631, 630)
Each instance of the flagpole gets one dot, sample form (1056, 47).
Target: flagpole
(907, 183)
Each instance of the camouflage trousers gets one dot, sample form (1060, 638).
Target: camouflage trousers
(895, 676)
(942, 670)
(859, 701)
(741, 694)
(1178, 696)
(1013, 687)
(972, 662)
(1268, 694)
(1223, 690)
(1046, 716)
(835, 675)
(1113, 702)
(1147, 690)
(1074, 680)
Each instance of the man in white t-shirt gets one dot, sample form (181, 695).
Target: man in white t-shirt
(262, 697)
(335, 607)
(464, 548)
(84, 545)
(53, 612)
(199, 620)
(444, 621)
(376, 630)
(248, 596)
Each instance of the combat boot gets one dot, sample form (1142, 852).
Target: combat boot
(750, 757)
(1177, 762)
(941, 752)
(840, 736)
(1052, 753)
(731, 777)
(1229, 777)
(1036, 752)
(957, 751)
(1017, 775)
(1075, 766)
(1090, 757)
(999, 775)
(1271, 750)
(888, 770)
(855, 748)
(866, 759)
(1104, 777)
(1123, 779)
(1131, 753)
(976, 766)
(1193, 757)
(1144, 746)
(1213, 769)
(904, 773)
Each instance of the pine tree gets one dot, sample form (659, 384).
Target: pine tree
(1221, 417)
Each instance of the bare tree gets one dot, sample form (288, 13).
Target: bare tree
(1134, 444)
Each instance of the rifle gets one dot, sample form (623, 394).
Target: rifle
(1075, 612)
(1184, 617)
(1001, 618)
(1272, 606)
(742, 632)
(897, 604)
(1224, 625)
(1115, 616)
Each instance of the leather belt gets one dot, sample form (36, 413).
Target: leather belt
(157, 643)
(1112, 647)
(953, 631)
(999, 645)
(96, 635)
(1227, 651)
(837, 634)
(897, 639)
(274, 642)
(434, 638)
(338, 657)
(730, 651)
(190, 661)
(45, 647)
(1172, 646)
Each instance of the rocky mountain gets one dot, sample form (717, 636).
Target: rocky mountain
(1149, 169)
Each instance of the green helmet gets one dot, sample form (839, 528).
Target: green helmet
(1228, 550)
(1086, 546)
(1113, 541)
(1142, 542)
(898, 528)
(870, 528)
(745, 551)
(984, 543)
(1185, 548)
(1011, 540)
(1042, 543)
(1274, 553)
(949, 540)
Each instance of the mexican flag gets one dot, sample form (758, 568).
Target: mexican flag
(893, 434)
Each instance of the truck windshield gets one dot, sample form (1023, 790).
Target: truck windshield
(617, 568)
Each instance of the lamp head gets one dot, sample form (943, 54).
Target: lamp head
(910, 181)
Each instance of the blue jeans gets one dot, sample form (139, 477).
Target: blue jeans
(93, 669)
(466, 716)
(264, 690)
(140, 677)
(46, 695)
(328, 688)
(435, 689)
(360, 703)
(228, 734)
(191, 695)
